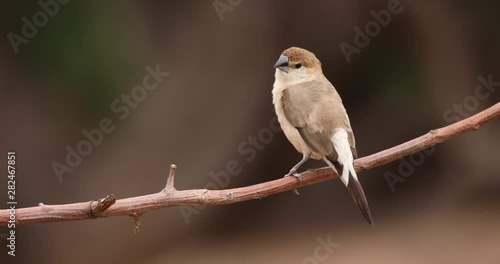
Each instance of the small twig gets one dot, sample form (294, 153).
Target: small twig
(137, 222)
(135, 206)
(171, 178)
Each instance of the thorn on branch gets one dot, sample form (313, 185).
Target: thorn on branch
(137, 222)
(171, 178)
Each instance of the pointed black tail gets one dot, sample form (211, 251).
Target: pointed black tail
(357, 193)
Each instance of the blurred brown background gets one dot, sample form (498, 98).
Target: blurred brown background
(426, 60)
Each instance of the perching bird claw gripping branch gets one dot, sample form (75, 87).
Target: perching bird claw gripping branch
(169, 196)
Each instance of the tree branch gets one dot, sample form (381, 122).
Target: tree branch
(169, 196)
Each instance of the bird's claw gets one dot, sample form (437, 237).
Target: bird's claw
(294, 174)
(297, 176)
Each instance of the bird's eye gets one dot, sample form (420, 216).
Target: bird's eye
(298, 65)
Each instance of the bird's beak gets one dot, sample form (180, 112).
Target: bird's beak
(282, 64)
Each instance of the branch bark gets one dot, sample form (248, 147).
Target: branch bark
(169, 196)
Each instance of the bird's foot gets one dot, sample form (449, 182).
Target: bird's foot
(297, 175)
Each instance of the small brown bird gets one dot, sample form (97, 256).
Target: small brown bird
(314, 120)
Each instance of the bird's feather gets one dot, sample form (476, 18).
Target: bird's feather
(321, 112)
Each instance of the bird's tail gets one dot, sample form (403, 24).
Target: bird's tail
(348, 176)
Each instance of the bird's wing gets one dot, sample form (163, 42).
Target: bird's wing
(315, 109)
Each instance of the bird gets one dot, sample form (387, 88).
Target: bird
(314, 120)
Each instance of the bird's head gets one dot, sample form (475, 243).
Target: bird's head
(297, 64)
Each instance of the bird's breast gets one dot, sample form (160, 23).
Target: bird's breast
(291, 133)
